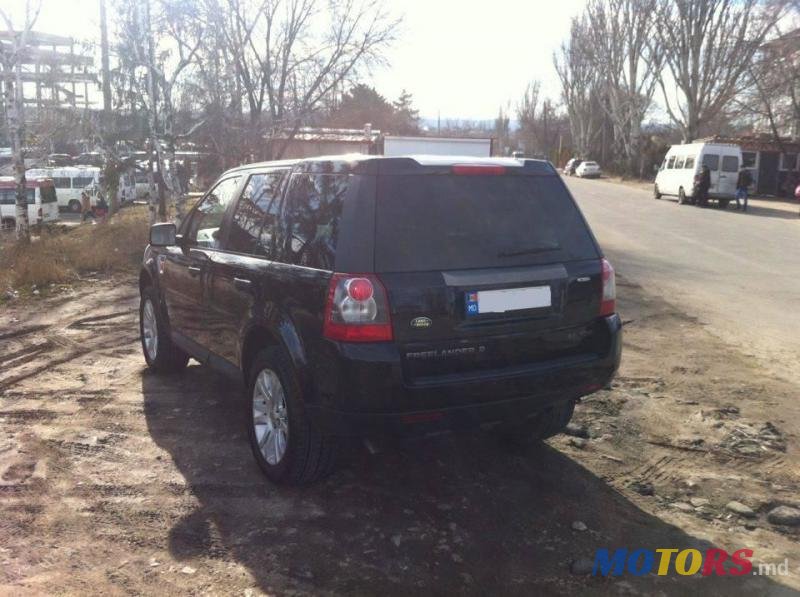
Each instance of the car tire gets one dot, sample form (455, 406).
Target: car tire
(8, 224)
(656, 194)
(160, 353)
(275, 410)
(723, 203)
(682, 200)
(540, 426)
(75, 206)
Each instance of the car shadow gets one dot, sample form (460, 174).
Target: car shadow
(446, 515)
(766, 212)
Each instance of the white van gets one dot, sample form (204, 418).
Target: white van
(70, 181)
(683, 163)
(134, 185)
(42, 201)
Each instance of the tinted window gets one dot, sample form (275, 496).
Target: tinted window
(440, 222)
(689, 162)
(62, 182)
(711, 160)
(80, 182)
(679, 162)
(207, 217)
(9, 196)
(48, 194)
(671, 163)
(314, 206)
(256, 213)
(749, 159)
(789, 161)
(730, 163)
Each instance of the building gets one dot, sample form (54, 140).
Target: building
(772, 163)
(311, 142)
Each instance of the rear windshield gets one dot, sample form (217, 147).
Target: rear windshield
(48, 194)
(439, 222)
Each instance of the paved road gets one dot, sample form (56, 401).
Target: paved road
(740, 273)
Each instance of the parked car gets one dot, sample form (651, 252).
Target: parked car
(70, 182)
(571, 166)
(681, 167)
(588, 170)
(364, 296)
(41, 197)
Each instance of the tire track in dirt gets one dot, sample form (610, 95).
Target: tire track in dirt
(25, 363)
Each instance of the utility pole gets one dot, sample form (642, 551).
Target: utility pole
(104, 59)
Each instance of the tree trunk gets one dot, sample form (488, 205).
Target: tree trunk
(12, 98)
(152, 202)
(153, 117)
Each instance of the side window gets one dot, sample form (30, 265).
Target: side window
(80, 182)
(671, 163)
(679, 162)
(749, 159)
(689, 162)
(730, 163)
(207, 217)
(256, 213)
(712, 161)
(9, 196)
(314, 206)
(62, 182)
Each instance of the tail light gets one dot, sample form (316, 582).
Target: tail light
(478, 169)
(357, 309)
(608, 300)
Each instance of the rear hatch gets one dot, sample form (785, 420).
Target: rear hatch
(487, 271)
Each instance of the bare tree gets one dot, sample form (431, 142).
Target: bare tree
(289, 55)
(708, 45)
(774, 97)
(579, 82)
(11, 57)
(164, 38)
(629, 65)
(527, 112)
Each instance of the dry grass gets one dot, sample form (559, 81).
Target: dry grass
(61, 256)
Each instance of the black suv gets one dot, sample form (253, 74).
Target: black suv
(365, 296)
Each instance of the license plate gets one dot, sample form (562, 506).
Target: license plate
(512, 299)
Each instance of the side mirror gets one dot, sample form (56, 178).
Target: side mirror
(163, 234)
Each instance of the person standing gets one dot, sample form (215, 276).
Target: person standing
(703, 186)
(86, 206)
(742, 185)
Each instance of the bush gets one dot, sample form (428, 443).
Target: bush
(61, 255)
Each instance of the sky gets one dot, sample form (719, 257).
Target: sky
(461, 59)
(466, 58)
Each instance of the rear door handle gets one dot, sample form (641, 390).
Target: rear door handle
(195, 271)
(242, 283)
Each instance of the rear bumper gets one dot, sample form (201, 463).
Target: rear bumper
(366, 395)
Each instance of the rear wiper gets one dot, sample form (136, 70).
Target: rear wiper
(531, 251)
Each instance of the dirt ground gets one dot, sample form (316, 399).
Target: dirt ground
(116, 481)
